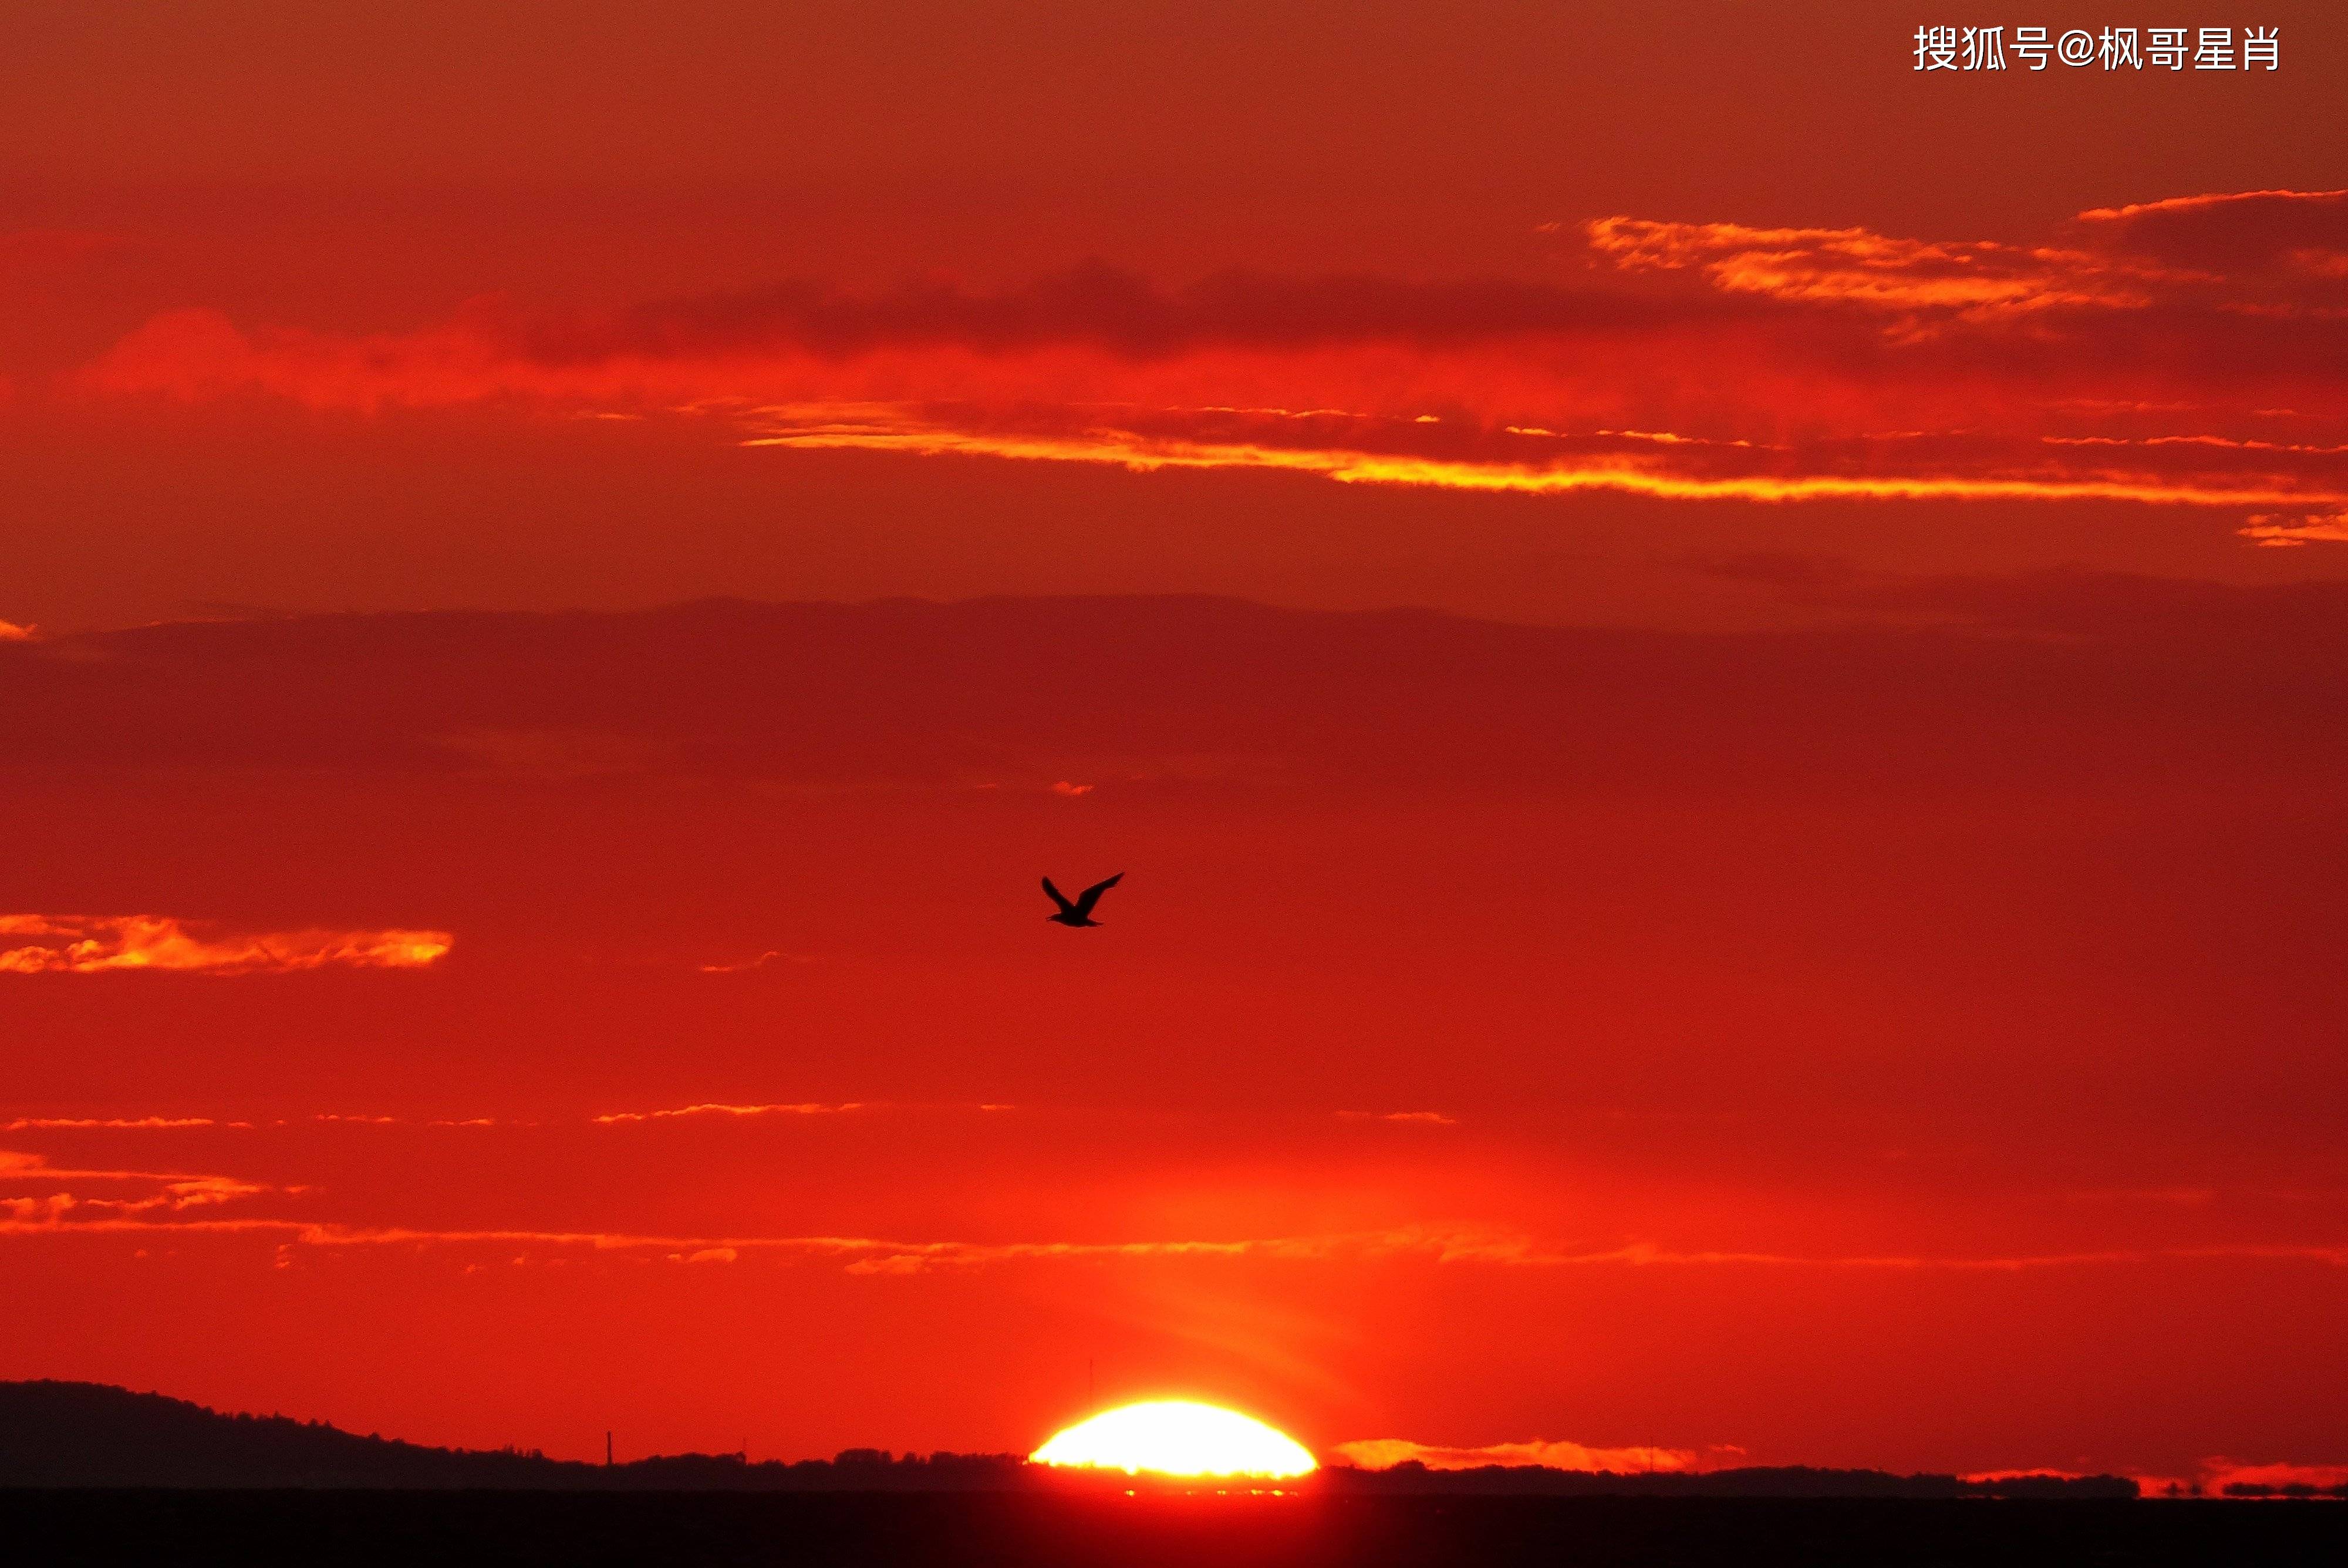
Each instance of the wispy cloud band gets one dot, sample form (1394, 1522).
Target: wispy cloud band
(97, 944)
(41, 1209)
(1694, 361)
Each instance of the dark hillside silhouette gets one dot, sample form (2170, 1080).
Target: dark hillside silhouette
(57, 1434)
(189, 1486)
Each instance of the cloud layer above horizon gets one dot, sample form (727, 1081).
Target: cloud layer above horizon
(2184, 351)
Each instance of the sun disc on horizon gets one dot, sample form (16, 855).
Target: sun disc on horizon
(1178, 1437)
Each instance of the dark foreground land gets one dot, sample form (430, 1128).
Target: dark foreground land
(938, 1530)
(91, 1474)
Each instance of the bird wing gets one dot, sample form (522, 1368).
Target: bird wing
(1091, 895)
(1059, 897)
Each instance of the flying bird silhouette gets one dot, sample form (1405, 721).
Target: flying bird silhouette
(1079, 913)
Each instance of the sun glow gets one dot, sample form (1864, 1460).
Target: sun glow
(1177, 1437)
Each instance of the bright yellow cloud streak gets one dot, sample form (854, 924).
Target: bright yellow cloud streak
(1146, 454)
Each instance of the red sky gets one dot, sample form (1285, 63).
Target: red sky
(1715, 664)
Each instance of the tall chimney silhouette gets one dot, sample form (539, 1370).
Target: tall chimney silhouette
(607, 1450)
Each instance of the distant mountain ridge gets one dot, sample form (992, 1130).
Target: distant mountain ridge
(64, 1434)
(76, 1435)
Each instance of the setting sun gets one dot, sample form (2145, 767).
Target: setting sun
(1178, 1437)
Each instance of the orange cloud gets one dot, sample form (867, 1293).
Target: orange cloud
(160, 1208)
(2231, 1476)
(861, 1254)
(1384, 1453)
(1522, 1251)
(92, 943)
(803, 1109)
(1648, 469)
(1859, 266)
(2220, 1477)
(771, 956)
(12, 632)
(2303, 231)
(159, 1192)
(1750, 361)
(110, 1124)
(2288, 533)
